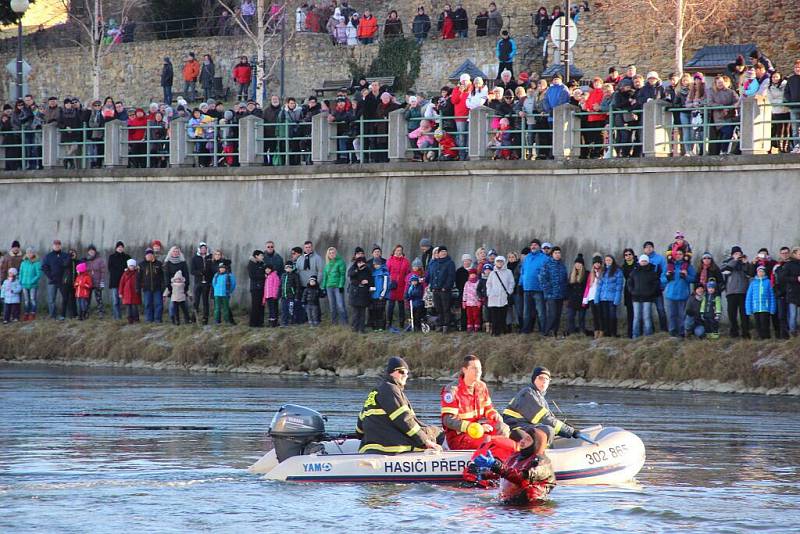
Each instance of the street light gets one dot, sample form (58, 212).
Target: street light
(19, 7)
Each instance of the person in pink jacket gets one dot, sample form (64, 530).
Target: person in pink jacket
(272, 286)
(471, 302)
(399, 268)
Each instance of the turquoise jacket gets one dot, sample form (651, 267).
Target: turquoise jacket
(30, 272)
(223, 285)
(760, 297)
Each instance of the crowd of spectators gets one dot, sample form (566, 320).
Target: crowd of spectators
(523, 291)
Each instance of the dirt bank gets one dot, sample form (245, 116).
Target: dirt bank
(657, 362)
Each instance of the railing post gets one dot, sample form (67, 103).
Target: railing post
(566, 132)
(323, 148)
(398, 135)
(249, 127)
(180, 154)
(479, 133)
(756, 126)
(115, 148)
(50, 140)
(656, 129)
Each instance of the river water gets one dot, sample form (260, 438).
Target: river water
(88, 450)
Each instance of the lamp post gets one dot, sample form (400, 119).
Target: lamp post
(19, 7)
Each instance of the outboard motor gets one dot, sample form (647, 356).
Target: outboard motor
(295, 427)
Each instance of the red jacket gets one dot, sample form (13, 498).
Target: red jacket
(137, 127)
(459, 100)
(312, 22)
(83, 286)
(398, 272)
(129, 288)
(242, 73)
(448, 144)
(367, 27)
(595, 97)
(448, 28)
(459, 403)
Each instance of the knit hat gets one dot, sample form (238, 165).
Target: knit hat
(258, 253)
(155, 243)
(707, 255)
(679, 235)
(416, 264)
(492, 252)
(358, 250)
(438, 133)
(699, 76)
(131, 263)
(395, 363)
(579, 259)
(472, 271)
(375, 247)
(425, 242)
(13, 270)
(312, 277)
(466, 256)
(487, 267)
(464, 78)
(735, 249)
(222, 265)
(147, 251)
(652, 74)
(414, 278)
(289, 264)
(15, 244)
(540, 371)
(597, 259)
(81, 268)
(644, 257)
(761, 268)
(547, 245)
(524, 76)
(711, 283)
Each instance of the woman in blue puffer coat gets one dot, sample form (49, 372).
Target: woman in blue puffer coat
(609, 292)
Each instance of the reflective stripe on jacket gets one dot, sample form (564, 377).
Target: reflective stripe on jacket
(529, 407)
(387, 423)
(460, 407)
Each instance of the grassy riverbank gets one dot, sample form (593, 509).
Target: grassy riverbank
(656, 362)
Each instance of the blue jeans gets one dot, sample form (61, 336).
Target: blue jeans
(462, 138)
(574, 327)
(153, 306)
(794, 114)
(692, 326)
(289, 309)
(189, 91)
(116, 304)
(642, 313)
(337, 305)
(167, 94)
(676, 314)
(685, 120)
(534, 308)
(52, 292)
(462, 34)
(794, 310)
(30, 299)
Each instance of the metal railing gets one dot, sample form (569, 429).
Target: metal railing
(21, 149)
(750, 127)
(521, 139)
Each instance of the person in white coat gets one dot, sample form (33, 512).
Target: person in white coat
(499, 290)
(352, 30)
(479, 94)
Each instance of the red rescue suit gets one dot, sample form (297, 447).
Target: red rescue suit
(460, 407)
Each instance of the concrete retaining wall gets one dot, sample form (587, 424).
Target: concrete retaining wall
(590, 206)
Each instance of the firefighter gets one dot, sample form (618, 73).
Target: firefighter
(387, 423)
(528, 410)
(467, 401)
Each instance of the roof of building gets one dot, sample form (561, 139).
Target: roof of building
(470, 68)
(718, 56)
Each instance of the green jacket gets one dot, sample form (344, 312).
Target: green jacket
(334, 274)
(30, 272)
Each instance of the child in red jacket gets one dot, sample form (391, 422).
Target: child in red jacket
(679, 244)
(83, 290)
(447, 145)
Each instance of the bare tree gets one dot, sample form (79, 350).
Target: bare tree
(94, 29)
(683, 17)
(268, 32)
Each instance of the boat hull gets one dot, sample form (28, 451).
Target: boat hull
(617, 458)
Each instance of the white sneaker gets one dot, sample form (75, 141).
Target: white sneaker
(796, 150)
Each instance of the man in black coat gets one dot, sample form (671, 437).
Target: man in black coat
(117, 263)
(257, 276)
(203, 272)
(167, 74)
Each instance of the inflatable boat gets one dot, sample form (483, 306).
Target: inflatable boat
(303, 453)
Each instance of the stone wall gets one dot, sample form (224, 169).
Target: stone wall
(586, 206)
(132, 70)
